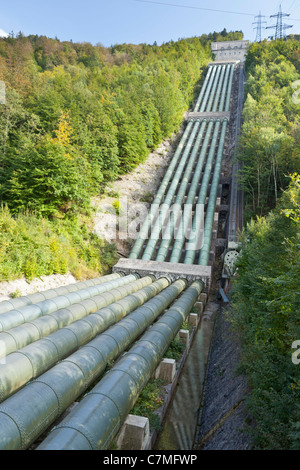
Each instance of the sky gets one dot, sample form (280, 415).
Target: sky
(140, 21)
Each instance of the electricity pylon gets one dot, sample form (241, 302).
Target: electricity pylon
(280, 27)
(259, 26)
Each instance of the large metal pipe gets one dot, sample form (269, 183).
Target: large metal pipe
(194, 241)
(172, 222)
(152, 219)
(143, 234)
(95, 421)
(203, 106)
(30, 411)
(203, 89)
(210, 212)
(19, 302)
(224, 90)
(219, 89)
(17, 338)
(158, 226)
(228, 95)
(213, 89)
(27, 313)
(33, 360)
(185, 221)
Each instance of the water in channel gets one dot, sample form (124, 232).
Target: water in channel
(182, 417)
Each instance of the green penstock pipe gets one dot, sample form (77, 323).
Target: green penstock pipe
(203, 89)
(174, 216)
(210, 212)
(95, 421)
(33, 360)
(28, 313)
(27, 333)
(177, 178)
(19, 302)
(192, 245)
(30, 411)
(143, 234)
(185, 220)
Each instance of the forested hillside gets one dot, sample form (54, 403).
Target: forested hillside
(270, 140)
(76, 117)
(266, 292)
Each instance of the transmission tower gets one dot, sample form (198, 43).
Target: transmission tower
(280, 27)
(258, 26)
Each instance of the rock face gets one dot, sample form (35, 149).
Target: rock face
(129, 198)
(222, 422)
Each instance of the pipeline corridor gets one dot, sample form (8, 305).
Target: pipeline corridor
(57, 346)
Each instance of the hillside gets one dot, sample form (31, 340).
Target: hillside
(76, 117)
(266, 291)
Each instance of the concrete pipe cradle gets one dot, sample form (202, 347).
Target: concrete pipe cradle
(210, 212)
(195, 234)
(95, 421)
(27, 313)
(27, 333)
(172, 222)
(30, 411)
(19, 302)
(203, 89)
(143, 234)
(31, 361)
(185, 221)
(158, 225)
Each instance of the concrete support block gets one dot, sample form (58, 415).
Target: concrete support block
(203, 297)
(166, 370)
(193, 319)
(134, 434)
(172, 271)
(184, 336)
(216, 221)
(200, 306)
(211, 258)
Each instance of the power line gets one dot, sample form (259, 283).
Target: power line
(291, 7)
(194, 8)
(199, 8)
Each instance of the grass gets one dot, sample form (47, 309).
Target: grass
(150, 399)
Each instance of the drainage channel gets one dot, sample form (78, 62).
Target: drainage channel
(181, 419)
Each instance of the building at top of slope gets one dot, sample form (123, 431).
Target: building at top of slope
(230, 50)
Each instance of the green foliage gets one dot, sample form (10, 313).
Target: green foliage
(150, 399)
(175, 349)
(77, 116)
(269, 144)
(33, 247)
(266, 300)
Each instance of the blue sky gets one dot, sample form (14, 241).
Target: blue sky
(131, 21)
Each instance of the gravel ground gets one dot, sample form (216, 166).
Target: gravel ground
(134, 191)
(23, 287)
